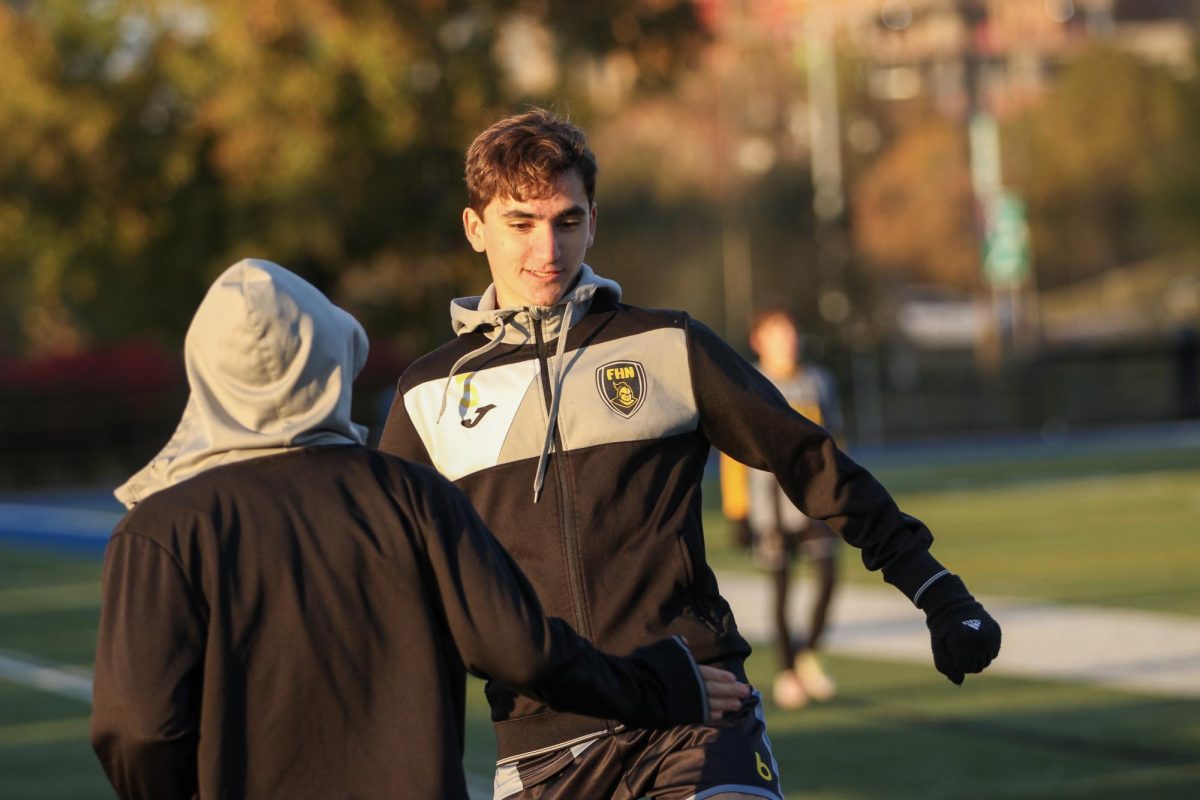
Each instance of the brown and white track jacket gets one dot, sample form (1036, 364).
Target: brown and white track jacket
(581, 431)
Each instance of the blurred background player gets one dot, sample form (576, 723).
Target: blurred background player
(771, 525)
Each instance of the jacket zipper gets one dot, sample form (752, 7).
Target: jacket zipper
(566, 523)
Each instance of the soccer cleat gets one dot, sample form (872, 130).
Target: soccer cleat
(816, 682)
(788, 692)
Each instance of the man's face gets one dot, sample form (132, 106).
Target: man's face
(534, 246)
(776, 342)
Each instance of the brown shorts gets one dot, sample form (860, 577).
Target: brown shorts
(688, 762)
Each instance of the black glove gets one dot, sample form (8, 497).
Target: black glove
(964, 636)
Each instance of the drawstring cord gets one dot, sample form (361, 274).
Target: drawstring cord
(458, 364)
(555, 392)
(557, 371)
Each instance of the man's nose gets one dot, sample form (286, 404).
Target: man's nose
(546, 247)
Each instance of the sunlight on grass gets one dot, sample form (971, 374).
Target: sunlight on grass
(1131, 542)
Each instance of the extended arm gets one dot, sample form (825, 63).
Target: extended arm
(744, 415)
(502, 633)
(145, 714)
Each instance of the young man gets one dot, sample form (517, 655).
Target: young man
(580, 427)
(780, 532)
(289, 614)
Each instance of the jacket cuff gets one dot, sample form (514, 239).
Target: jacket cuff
(684, 698)
(946, 591)
(914, 574)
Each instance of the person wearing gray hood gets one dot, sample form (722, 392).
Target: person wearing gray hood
(287, 613)
(580, 427)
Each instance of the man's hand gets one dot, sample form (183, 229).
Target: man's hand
(725, 694)
(963, 635)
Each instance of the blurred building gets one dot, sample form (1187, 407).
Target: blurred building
(963, 60)
(922, 48)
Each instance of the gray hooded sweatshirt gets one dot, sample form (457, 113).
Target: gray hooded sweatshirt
(270, 362)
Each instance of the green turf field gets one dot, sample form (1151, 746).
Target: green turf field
(49, 607)
(1122, 534)
(1109, 530)
(903, 731)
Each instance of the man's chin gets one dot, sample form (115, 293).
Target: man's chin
(546, 295)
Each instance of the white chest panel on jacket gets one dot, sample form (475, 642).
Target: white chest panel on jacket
(629, 389)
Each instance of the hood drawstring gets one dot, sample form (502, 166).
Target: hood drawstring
(555, 392)
(504, 319)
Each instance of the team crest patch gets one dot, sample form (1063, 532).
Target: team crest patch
(622, 384)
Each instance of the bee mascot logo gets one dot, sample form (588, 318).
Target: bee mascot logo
(622, 384)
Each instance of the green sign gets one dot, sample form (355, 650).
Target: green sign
(1006, 241)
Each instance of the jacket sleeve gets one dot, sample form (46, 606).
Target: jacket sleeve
(744, 415)
(147, 682)
(400, 437)
(502, 634)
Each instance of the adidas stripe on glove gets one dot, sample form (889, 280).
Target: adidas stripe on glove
(964, 636)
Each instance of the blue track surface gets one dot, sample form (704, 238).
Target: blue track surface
(81, 520)
(78, 521)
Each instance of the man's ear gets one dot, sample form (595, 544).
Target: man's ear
(473, 227)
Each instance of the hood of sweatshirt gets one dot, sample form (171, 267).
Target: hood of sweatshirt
(270, 362)
(469, 314)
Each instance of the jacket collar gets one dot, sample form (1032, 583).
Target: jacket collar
(481, 313)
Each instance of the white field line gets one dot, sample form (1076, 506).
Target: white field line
(65, 681)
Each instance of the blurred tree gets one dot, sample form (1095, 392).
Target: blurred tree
(1174, 204)
(1108, 165)
(914, 209)
(149, 144)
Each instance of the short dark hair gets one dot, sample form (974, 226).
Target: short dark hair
(770, 312)
(523, 155)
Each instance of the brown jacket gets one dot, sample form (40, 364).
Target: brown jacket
(300, 626)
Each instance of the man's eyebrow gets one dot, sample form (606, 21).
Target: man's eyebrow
(516, 213)
(574, 211)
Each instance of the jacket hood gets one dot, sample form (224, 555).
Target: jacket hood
(469, 314)
(270, 362)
